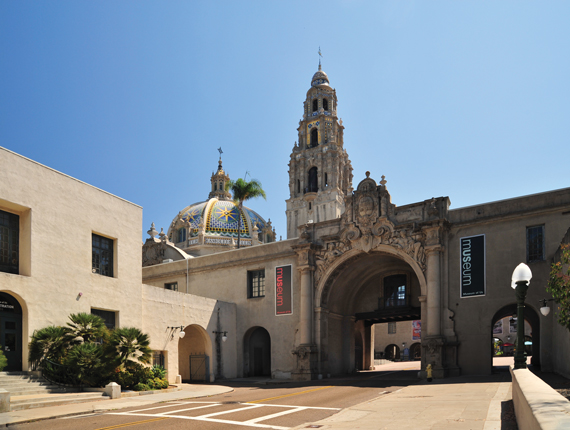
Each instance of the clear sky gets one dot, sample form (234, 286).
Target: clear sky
(466, 99)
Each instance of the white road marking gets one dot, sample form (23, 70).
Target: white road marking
(255, 422)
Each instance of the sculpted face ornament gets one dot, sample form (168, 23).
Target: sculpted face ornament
(366, 206)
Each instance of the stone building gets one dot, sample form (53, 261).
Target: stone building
(303, 307)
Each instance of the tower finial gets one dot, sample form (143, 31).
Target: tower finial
(320, 56)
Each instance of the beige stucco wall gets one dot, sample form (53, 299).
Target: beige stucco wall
(403, 335)
(504, 226)
(224, 276)
(58, 215)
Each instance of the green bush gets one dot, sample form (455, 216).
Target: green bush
(158, 371)
(141, 387)
(3, 360)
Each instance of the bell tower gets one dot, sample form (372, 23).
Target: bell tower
(320, 173)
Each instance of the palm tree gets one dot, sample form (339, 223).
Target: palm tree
(49, 343)
(242, 191)
(131, 345)
(86, 327)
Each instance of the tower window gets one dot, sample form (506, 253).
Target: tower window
(325, 104)
(313, 180)
(314, 138)
(215, 186)
(315, 105)
(182, 235)
(326, 179)
(298, 186)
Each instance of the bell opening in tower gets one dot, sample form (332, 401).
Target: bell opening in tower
(325, 104)
(314, 138)
(315, 105)
(313, 178)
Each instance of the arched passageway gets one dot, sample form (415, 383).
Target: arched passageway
(195, 355)
(392, 352)
(507, 334)
(416, 351)
(11, 331)
(369, 288)
(257, 352)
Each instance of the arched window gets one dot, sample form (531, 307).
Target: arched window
(182, 235)
(325, 104)
(314, 138)
(315, 105)
(298, 186)
(215, 186)
(313, 180)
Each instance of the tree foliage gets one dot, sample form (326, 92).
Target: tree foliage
(242, 191)
(559, 285)
(85, 352)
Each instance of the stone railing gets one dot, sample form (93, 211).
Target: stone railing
(537, 405)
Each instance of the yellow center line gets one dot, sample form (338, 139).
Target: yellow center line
(118, 426)
(289, 395)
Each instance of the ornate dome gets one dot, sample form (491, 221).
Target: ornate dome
(320, 78)
(205, 227)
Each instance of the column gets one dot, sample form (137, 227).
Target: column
(433, 291)
(306, 306)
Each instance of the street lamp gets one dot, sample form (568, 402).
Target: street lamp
(545, 309)
(520, 282)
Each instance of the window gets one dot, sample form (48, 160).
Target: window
(326, 179)
(313, 180)
(314, 137)
(158, 358)
(391, 328)
(256, 283)
(535, 243)
(395, 291)
(298, 186)
(325, 104)
(171, 286)
(9, 242)
(182, 235)
(315, 105)
(102, 257)
(107, 316)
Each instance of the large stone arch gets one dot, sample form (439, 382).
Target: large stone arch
(338, 264)
(195, 358)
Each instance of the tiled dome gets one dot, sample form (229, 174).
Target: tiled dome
(320, 78)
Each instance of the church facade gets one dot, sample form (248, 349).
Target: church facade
(301, 308)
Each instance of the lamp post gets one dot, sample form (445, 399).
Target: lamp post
(520, 282)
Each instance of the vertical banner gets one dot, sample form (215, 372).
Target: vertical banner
(472, 266)
(416, 330)
(283, 290)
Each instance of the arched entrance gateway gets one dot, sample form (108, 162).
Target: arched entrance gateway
(383, 265)
(194, 355)
(11, 331)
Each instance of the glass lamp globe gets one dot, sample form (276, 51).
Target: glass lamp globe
(521, 273)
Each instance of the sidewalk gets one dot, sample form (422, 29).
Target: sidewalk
(187, 391)
(465, 403)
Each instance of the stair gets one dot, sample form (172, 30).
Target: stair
(30, 391)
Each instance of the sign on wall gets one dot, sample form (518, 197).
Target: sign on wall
(472, 266)
(416, 330)
(283, 290)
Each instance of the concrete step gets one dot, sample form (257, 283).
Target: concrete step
(18, 403)
(33, 390)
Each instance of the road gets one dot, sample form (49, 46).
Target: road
(250, 405)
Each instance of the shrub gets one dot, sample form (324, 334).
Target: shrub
(3, 360)
(141, 387)
(158, 371)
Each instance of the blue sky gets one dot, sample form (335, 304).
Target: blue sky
(466, 99)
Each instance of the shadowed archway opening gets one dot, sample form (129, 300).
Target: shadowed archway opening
(365, 289)
(11, 331)
(507, 334)
(195, 355)
(257, 352)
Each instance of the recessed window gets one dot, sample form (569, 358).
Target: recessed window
(391, 328)
(256, 283)
(9, 242)
(171, 286)
(314, 137)
(107, 316)
(325, 104)
(326, 179)
(181, 234)
(313, 181)
(315, 105)
(102, 256)
(395, 291)
(158, 358)
(535, 243)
